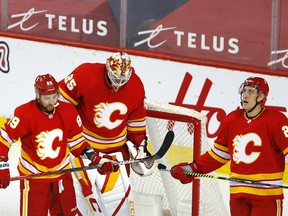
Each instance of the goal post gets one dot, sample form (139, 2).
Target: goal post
(203, 196)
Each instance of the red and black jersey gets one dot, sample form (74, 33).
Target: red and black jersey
(46, 139)
(256, 148)
(109, 118)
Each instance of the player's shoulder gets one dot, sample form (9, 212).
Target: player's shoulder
(235, 115)
(30, 105)
(27, 109)
(91, 67)
(88, 71)
(274, 112)
(135, 79)
(66, 110)
(66, 106)
(237, 112)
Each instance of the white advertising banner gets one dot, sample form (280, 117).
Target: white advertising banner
(212, 91)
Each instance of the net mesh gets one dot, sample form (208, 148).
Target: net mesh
(177, 197)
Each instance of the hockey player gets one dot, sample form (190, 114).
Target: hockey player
(48, 130)
(255, 140)
(110, 101)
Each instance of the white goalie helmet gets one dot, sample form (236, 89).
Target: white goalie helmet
(144, 168)
(119, 70)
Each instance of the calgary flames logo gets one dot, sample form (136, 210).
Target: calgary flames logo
(103, 112)
(45, 144)
(240, 143)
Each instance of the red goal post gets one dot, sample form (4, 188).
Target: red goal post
(204, 196)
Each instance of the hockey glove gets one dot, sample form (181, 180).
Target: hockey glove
(109, 163)
(146, 167)
(4, 172)
(183, 172)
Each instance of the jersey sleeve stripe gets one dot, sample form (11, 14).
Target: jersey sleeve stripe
(5, 139)
(221, 147)
(221, 154)
(218, 158)
(285, 151)
(136, 128)
(67, 97)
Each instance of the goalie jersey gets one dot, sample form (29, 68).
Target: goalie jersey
(46, 139)
(109, 118)
(256, 148)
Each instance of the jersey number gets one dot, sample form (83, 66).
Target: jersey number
(14, 122)
(70, 82)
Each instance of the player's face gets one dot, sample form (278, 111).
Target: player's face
(249, 96)
(48, 101)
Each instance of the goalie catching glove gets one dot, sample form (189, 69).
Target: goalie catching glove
(183, 172)
(143, 168)
(4, 172)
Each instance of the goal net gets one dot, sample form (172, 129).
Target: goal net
(203, 197)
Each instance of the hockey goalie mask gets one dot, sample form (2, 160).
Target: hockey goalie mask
(144, 168)
(256, 82)
(119, 70)
(45, 85)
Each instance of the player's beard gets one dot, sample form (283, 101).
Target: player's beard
(48, 108)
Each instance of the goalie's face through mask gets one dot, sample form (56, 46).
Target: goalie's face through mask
(144, 168)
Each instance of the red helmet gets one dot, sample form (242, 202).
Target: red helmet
(46, 84)
(258, 83)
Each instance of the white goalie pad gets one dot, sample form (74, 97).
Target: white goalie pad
(145, 168)
(113, 192)
(88, 205)
(117, 198)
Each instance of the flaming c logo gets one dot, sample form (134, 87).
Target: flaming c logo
(45, 142)
(4, 57)
(103, 112)
(240, 143)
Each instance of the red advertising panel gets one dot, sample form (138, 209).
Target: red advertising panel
(83, 21)
(245, 33)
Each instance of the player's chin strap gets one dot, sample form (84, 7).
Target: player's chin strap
(256, 104)
(253, 107)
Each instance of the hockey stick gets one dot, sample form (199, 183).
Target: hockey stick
(159, 154)
(162, 167)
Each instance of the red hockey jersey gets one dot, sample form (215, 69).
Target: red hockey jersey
(46, 139)
(109, 118)
(256, 148)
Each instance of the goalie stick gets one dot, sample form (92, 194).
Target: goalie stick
(168, 139)
(162, 167)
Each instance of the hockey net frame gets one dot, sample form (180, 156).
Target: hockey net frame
(203, 196)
